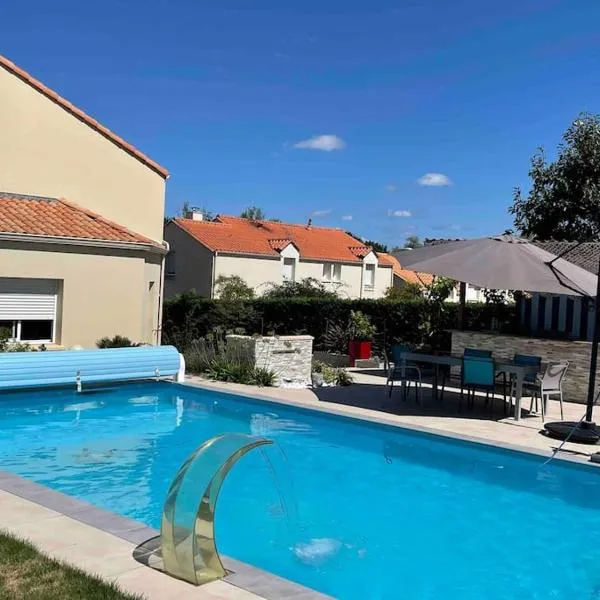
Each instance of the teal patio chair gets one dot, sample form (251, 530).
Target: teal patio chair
(478, 373)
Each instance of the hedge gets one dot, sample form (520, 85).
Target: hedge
(190, 317)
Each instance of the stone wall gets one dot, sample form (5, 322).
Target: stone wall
(288, 356)
(506, 346)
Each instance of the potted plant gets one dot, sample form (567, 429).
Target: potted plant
(361, 332)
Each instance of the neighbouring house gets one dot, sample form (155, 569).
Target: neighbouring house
(402, 276)
(267, 252)
(81, 218)
(563, 316)
(473, 293)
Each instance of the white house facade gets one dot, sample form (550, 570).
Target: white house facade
(265, 253)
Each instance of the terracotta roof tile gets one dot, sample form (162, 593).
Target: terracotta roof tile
(53, 217)
(280, 244)
(77, 112)
(244, 236)
(406, 275)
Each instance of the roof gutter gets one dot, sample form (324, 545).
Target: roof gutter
(88, 242)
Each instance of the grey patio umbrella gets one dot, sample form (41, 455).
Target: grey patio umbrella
(502, 262)
(512, 263)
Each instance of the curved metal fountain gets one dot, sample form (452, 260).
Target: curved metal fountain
(187, 533)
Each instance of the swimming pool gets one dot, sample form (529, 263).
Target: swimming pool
(382, 512)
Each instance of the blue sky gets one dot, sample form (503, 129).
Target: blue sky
(234, 101)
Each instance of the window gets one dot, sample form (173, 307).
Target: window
(28, 308)
(28, 331)
(369, 276)
(332, 272)
(288, 269)
(32, 331)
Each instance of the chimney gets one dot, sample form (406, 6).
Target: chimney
(195, 214)
(309, 224)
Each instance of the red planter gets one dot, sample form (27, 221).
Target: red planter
(358, 349)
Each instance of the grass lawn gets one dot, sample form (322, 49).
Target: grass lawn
(28, 575)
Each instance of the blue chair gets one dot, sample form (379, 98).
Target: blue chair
(477, 353)
(468, 352)
(412, 372)
(478, 373)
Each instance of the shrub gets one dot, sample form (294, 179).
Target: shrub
(360, 326)
(190, 317)
(118, 341)
(232, 287)
(7, 346)
(409, 291)
(343, 378)
(309, 287)
(332, 375)
(216, 359)
(263, 377)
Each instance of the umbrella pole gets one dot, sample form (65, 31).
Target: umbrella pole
(584, 431)
(594, 355)
(462, 300)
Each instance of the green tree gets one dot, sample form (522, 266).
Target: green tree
(413, 241)
(253, 213)
(409, 291)
(377, 246)
(232, 287)
(564, 199)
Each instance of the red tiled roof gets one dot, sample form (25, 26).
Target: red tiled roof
(77, 112)
(243, 236)
(279, 244)
(422, 279)
(53, 217)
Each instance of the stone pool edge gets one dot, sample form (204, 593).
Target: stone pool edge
(242, 575)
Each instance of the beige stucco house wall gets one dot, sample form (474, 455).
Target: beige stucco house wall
(189, 265)
(50, 148)
(46, 150)
(101, 292)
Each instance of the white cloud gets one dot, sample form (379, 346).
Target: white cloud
(347, 218)
(399, 213)
(391, 187)
(434, 180)
(456, 227)
(320, 213)
(324, 143)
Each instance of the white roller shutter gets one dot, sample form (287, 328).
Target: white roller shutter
(27, 299)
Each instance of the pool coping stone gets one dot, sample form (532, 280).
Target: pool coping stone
(241, 575)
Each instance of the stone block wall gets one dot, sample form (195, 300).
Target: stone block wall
(288, 356)
(506, 346)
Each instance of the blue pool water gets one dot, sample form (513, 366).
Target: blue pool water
(382, 513)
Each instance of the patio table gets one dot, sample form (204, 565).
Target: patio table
(502, 366)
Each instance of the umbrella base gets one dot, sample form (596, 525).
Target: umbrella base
(579, 433)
